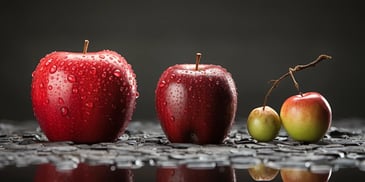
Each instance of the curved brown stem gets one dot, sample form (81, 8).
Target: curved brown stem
(276, 82)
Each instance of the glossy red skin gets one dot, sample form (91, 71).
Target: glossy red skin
(306, 118)
(84, 98)
(184, 174)
(196, 106)
(83, 172)
(303, 175)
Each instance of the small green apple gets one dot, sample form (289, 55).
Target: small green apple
(306, 117)
(263, 124)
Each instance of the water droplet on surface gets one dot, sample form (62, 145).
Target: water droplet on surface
(50, 87)
(137, 95)
(172, 118)
(190, 88)
(61, 101)
(64, 111)
(89, 104)
(217, 82)
(41, 85)
(71, 78)
(117, 73)
(47, 101)
(162, 84)
(101, 56)
(103, 74)
(93, 70)
(53, 69)
(164, 103)
(75, 90)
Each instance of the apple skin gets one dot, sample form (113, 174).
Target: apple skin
(83, 172)
(307, 117)
(184, 174)
(263, 124)
(84, 98)
(262, 173)
(303, 175)
(196, 106)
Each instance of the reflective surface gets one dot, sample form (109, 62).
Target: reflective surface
(144, 154)
(83, 172)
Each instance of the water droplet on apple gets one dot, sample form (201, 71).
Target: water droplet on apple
(53, 69)
(93, 70)
(162, 84)
(71, 78)
(103, 74)
(101, 56)
(50, 87)
(137, 95)
(48, 62)
(64, 111)
(164, 103)
(117, 73)
(217, 82)
(89, 104)
(172, 76)
(47, 101)
(41, 85)
(61, 101)
(178, 80)
(75, 90)
(172, 118)
(190, 88)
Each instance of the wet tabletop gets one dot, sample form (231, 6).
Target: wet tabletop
(144, 146)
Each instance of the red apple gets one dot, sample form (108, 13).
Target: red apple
(263, 123)
(262, 173)
(83, 172)
(303, 175)
(83, 97)
(306, 117)
(184, 174)
(196, 103)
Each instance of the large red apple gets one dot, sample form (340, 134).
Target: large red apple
(83, 172)
(83, 97)
(306, 117)
(196, 103)
(303, 175)
(184, 174)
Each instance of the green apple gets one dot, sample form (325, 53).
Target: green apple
(263, 123)
(306, 117)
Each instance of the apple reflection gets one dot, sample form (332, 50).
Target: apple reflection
(304, 175)
(262, 173)
(83, 172)
(184, 174)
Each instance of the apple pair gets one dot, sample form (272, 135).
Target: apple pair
(90, 97)
(306, 117)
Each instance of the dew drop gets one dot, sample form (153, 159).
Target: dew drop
(93, 70)
(164, 103)
(50, 87)
(103, 74)
(41, 85)
(64, 111)
(190, 88)
(137, 95)
(101, 56)
(89, 104)
(53, 69)
(117, 73)
(172, 118)
(75, 90)
(71, 78)
(47, 101)
(162, 84)
(61, 101)
(217, 82)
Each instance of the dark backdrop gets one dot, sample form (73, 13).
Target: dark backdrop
(255, 40)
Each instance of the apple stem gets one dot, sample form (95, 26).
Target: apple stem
(197, 60)
(290, 73)
(86, 45)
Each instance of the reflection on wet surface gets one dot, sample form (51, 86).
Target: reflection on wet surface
(144, 154)
(84, 172)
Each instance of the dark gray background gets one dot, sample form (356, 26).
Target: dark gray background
(255, 40)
